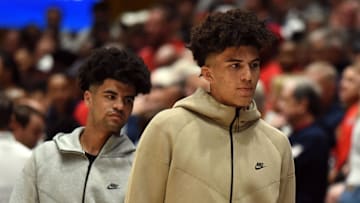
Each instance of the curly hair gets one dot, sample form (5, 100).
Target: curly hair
(116, 64)
(231, 29)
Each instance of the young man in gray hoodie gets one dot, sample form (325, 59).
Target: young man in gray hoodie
(92, 163)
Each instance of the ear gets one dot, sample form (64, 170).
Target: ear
(206, 73)
(87, 97)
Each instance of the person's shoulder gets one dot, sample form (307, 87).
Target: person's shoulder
(315, 132)
(173, 115)
(171, 120)
(274, 135)
(45, 147)
(60, 141)
(44, 153)
(270, 131)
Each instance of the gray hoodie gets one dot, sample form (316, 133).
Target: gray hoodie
(57, 172)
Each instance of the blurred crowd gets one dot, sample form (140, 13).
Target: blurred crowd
(309, 81)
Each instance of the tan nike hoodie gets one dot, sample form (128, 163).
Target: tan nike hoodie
(202, 151)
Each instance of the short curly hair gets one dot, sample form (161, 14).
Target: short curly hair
(231, 29)
(117, 64)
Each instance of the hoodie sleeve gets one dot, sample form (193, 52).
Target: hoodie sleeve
(287, 182)
(148, 178)
(25, 190)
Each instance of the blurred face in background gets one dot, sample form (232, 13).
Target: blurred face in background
(349, 86)
(59, 90)
(33, 132)
(289, 107)
(156, 26)
(28, 125)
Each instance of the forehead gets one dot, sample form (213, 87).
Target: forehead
(244, 53)
(116, 86)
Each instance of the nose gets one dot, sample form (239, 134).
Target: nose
(246, 73)
(118, 104)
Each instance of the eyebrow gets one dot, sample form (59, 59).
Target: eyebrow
(239, 60)
(115, 93)
(109, 92)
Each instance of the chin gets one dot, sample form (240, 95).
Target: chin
(114, 129)
(242, 102)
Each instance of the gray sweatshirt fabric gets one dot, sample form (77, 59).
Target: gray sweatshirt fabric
(57, 170)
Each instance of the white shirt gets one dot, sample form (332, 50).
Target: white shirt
(13, 156)
(354, 175)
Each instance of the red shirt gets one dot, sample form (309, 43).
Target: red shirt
(344, 132)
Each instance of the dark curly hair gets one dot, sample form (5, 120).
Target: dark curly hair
(117, 64)
(231, 29)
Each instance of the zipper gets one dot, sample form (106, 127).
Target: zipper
(86, 177)
(232, 153)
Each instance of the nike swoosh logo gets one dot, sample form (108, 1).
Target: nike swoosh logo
(113, 186)
(259, 165)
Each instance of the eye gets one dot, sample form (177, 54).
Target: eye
(235, 66)
(110, 97)
(255, 65)
(129, 100)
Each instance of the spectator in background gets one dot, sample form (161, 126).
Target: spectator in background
(331, 111)
(349, 97)
(60, 114)
(9, 74)
(351, 193)
(30, 34)
(355, 47)
(53, 22)
(13, 154)
(328, 45)
(186, 10)
(288, 57)
(161, 28)
(348, 191)
(213, 146)
(344, 16)
(300, 104)
(10, 41)
(92, 163)
(28, 125)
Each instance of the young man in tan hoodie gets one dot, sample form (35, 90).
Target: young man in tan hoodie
(213, 147)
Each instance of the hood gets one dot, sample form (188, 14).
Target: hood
(116, 145)
(204, 104)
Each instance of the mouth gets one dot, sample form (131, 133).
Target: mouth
(116, 117)
(245, 91)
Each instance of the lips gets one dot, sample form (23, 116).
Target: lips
(115, 116)
(244, 91)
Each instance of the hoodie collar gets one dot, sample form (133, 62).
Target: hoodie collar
(204, 104)
(116, 145)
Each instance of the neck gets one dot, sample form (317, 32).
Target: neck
(93, 140)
